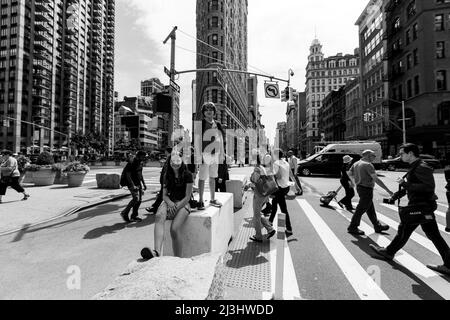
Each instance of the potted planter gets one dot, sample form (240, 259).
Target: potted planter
(44, 171)
(76, 172)
(60, 178)
(44, 176)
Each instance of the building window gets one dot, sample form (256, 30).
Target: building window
(416, 85)
(215, 22)
(409, 88)
(415, 31)
(416, 57)
(444, 114)
(409, 61)
(411, 9)
(440, 49)
(215, 39)
(408, 37)
(396, 25)
(439, 22)
(441, 80)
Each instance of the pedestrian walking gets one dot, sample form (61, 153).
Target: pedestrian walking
(263, 167)
(419, 186)
(447, 178)
(347, 184)
(293, 164)
(9, 176)
(365, 177)
(211, 156)
(281, 170)
(133, 179)
(177, 191)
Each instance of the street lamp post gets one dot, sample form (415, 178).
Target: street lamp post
(404, 122)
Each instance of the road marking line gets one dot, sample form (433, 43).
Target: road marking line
(429, 277)
(364, 286)
(290, 283)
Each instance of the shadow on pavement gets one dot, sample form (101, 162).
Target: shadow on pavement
(80, 216)
(420, 288)
(249, 256)
(105, 230)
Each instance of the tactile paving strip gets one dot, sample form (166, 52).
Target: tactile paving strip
(247, 263)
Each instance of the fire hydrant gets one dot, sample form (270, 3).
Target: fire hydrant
(447, 178)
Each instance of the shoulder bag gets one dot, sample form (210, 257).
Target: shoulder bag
(266, 184)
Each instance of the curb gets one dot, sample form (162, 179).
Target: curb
(67, 213)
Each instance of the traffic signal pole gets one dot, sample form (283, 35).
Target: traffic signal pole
(173, 37)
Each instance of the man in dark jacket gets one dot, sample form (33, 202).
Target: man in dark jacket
(419, 186)
(133, 179)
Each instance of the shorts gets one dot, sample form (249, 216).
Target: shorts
(163, 210)
(209, 169)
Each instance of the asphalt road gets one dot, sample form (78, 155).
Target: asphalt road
(92, 248)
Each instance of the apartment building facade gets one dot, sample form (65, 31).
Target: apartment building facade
(56, 71)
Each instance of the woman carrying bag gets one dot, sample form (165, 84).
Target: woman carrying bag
(10, 175)
(264, 183)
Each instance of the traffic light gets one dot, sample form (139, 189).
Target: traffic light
(163, 103)
(288, 93)
(283, 96)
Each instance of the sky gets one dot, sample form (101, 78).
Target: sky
(279, 36)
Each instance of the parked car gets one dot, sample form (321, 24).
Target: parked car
(397, 163)
(324, 163)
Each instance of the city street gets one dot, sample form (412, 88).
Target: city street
(329, 263)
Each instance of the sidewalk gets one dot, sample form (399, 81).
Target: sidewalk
(49, 203)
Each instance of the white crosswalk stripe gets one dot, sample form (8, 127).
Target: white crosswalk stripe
(429, 277)
(364, 286)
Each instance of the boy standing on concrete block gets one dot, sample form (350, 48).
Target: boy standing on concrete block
(212, 153)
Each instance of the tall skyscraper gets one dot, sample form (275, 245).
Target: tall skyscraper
(151, 87)
(222, 28)
(324, 75)
(373, 72)
(56, 71)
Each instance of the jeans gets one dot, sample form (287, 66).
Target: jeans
(280, 199)
(258, 220)
(365, 205)
(298, 185)
(431, 231)
(349, 194)
(134, 204)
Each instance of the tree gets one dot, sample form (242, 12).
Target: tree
(79, 141)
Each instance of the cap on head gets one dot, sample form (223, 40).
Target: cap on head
(368, 153)
(347, 159)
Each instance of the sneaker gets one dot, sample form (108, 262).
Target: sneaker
(355, 231)
(271, 234)
(148, 254)
(441, 269)
(125, 217)
(137, 219)
(446, 229)
(382, 252)
(215, 203)
(151, 210)
(25, 197)
(381, 228)
(340, 204)
(201, 206)
(289, 233)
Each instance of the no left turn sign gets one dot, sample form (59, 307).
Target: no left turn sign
(272, 90)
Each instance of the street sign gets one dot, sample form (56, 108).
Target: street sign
(175, 86)
(272, 90)
(167, 71)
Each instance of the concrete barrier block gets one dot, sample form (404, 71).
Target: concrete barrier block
(236, 186)
(207, 231)
(108, 180)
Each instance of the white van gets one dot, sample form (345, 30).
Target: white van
(355, 147)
